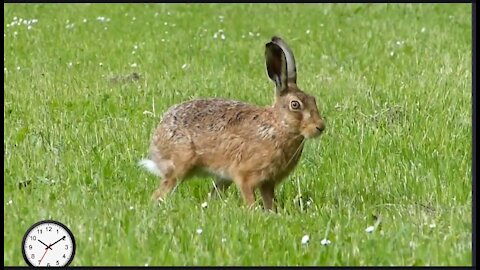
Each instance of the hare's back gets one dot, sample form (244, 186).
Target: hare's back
(208, 115)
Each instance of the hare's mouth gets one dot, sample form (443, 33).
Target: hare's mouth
(312, 132)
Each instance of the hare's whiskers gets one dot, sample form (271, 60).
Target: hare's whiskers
(296, 151)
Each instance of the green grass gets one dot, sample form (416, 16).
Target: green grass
(393, 82)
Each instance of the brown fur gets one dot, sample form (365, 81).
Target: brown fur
(256, 147)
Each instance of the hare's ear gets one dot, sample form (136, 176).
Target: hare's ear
(276, 63)
(291, 66)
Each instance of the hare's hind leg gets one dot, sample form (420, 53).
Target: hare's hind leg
(166, 185)
(181, 165)
(168, 182)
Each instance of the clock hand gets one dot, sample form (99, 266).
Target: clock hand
(63, 237)
(46, 250)
(44, 244)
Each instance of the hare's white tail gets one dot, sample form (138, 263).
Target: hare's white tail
(151, 166)
(160, 167)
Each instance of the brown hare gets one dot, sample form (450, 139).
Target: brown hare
(254, 147)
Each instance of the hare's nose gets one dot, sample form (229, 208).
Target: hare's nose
(321, 126)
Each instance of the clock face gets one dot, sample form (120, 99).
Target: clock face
(48, 243)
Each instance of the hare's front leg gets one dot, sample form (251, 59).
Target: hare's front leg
(247, 187)
(248, 193)
(267, 189)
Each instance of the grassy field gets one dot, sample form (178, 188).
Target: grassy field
(393, 82)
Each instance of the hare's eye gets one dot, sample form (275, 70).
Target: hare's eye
(295, 105)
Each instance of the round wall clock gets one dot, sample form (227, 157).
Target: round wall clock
(48, 243)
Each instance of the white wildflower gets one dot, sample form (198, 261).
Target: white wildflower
(305, 239)
(325, 242)
(412, 244)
